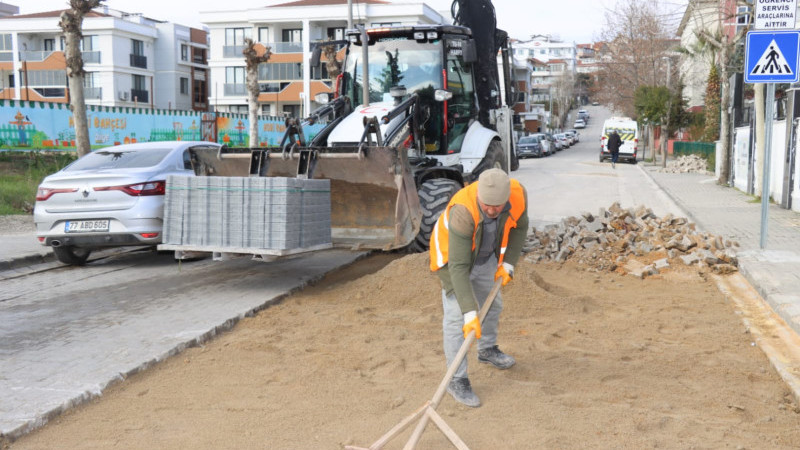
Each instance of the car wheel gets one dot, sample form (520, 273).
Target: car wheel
(434, 195)
(72, 255)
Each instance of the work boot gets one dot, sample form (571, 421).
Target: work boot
(461, 391)
(495, 357)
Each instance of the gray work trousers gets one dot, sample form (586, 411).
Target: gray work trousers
(482, 279)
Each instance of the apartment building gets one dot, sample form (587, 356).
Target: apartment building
(287, 82)
(130, 60)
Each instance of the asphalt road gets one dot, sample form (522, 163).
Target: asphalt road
(573, 181)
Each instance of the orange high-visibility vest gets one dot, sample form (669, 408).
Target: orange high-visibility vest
(468, 197)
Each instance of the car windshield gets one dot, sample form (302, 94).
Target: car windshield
(529, 140)
(124, 159)
(394, 61)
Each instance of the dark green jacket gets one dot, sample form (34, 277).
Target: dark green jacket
(461, 256)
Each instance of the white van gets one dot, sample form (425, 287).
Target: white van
(628, 131)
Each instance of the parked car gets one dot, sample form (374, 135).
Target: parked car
(555, 144)
(576, 137)
(595, 103)
(529, 146)
(583, 115)
(547, 144)
(565, 143)
(580, 124)
(111, 197)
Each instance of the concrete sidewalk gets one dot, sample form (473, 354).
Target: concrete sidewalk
(775, 271)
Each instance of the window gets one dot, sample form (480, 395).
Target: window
(5, 43)
(263, 34)
(89, 43)
(49, 45)
(139, 82)
(137, 54)
(184, 86)
(292, 35)
(234, 75)
(280, 71)
(90, 79)
(336, 33)
(234, 42)
(236, 36)
(184, 52)
(137, 47)
(383, 24)
(266, 110)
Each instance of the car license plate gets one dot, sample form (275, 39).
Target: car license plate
(85, 226)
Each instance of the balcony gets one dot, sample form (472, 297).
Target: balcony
(284, 47)
(93, 57)
(235, 89)
(139, 61)
(232, 51)
(34, 55)
(139, 95)
(93, 93)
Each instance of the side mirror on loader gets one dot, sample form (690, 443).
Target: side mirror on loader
(315, 56)
(440, 95)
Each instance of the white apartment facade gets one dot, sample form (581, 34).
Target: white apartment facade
(129, 59)
(288, 83)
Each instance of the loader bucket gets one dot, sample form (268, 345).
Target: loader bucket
(374, 202)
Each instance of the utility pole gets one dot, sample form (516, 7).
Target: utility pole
(665, 127)
(349, 14)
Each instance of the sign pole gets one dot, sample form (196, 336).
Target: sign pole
(767, 153)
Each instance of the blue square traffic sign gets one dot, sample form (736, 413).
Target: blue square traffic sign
(771, 57)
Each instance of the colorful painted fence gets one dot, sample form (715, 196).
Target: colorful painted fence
(49, 126)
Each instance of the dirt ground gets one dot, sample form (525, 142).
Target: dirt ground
(604, 360)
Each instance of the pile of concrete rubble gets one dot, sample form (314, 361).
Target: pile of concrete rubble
(686, 164)
(633, 241)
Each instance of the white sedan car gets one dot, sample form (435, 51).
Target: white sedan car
(111, 197)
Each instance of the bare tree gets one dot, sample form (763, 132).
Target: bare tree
(636, 38)
(254, 54)
(72, 24)
(726, 48)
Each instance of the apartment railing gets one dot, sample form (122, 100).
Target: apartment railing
(140, 96)
(93, 57)
(284, 47)
(235, 89)
(93, 93)
(232, 51)
(139, 61)
(34, 55)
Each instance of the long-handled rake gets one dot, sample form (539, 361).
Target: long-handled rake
(428, 410)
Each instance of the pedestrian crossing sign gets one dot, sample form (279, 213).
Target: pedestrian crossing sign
(772, 57)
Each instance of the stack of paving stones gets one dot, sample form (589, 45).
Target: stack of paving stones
(686, 164)
(630, 240)
(247, 213)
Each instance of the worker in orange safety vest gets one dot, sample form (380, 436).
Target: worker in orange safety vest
(477, 239)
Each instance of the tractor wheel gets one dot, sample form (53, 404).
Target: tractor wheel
(494, 159)
(71, 255)
(434, 195)
(514, 160)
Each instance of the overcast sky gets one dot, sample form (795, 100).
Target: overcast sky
(580, 21)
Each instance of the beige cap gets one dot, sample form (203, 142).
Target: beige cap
(494, 187)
